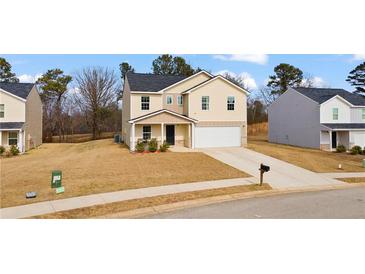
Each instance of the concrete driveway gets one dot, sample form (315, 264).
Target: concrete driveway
(282, 174)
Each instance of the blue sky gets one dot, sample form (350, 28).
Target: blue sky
(328, 70)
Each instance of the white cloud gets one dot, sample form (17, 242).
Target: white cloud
(248, 80)
(358, 57)
(260, 59)
(26, 78)
(316, 82)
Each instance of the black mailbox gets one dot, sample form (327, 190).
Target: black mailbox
(264, 168)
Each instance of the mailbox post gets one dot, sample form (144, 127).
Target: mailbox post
(263, 168)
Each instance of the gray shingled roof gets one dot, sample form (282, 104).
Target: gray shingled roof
(151, 82)
(19, 89)
(345, 126)
(11, 125)
(321, 95)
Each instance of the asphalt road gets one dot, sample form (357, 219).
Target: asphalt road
(333, 204)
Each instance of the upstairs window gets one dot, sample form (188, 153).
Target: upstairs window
(335, 113)
(145, 102)
(2, 110)
(13, 138)
(363, 113)
(146, 132)
(169, 99)
(180, 100)
(230, 103)
(205, 102)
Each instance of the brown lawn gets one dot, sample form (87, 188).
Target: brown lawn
(353, 180)
(312, 159)
(101, 166)
(113, 209)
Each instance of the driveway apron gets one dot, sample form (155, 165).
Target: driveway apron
(281, 175)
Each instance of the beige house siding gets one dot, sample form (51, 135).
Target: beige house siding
(33, 120)
(174, 106)
(14, 108)
(126, 112)
(176, 90)
(218, 90)
(155, 104)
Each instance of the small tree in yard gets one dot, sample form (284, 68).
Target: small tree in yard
(98, 90)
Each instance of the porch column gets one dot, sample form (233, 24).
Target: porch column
(162, 137)
(189, 135)
(330, 133)
(192, 135)
(133, 137)
(20, 141)
(1, 138)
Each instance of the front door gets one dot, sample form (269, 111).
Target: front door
(334, 139)
(170, 134)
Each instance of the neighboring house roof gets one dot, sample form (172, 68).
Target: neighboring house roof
(321, 95)
(151, 82)
(11, 125)
(161, 111)
(345, 125)
(21, 90)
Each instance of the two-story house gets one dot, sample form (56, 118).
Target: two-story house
(196, 112)
(318, 118)
(20, 116)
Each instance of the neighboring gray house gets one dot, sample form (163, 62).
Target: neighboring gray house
(318, 118)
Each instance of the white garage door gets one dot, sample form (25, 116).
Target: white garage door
(359, 139)
(217, 137)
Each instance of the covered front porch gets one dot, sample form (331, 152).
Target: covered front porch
(348, 135)
(12, 134)
(164, 126)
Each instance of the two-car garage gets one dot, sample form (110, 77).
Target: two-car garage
(206, 137)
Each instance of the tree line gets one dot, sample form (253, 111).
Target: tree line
(91, 106)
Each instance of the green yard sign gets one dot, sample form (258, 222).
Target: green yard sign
(60, 190)
(56, 180)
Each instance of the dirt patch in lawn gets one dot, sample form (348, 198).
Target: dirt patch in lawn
(113, 208)
(353, 180)
(313, 159)
(101, 166)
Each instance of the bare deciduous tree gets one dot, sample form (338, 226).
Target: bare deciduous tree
(97, 93)
(267, 96)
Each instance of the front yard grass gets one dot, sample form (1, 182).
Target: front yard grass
(313, 159)
(101, 166)
(353, 180)
(117, 207)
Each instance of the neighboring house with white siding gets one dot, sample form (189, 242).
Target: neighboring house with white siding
(20, 116)
(318, 118)
(197, 111)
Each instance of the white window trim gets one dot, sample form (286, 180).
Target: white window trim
(3, 110)
(17, 137)
(333, 114)
(180, 96)
(150, 132)
(149, 103)
(363, 114)
(167, 99)
(205, 103)
(234, 103)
